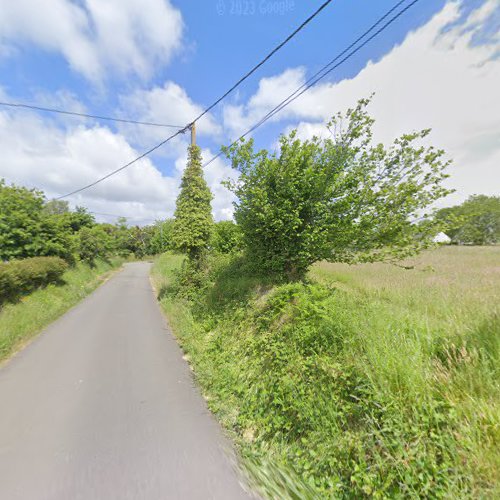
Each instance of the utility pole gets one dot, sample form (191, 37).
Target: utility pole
(193, 134)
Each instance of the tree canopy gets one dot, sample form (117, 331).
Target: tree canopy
(31, 226)
(475, 222)
(341, 199)
(26, 229)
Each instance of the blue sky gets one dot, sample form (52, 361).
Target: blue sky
(164, 60)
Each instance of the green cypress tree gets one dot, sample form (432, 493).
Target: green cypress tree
(193, 213)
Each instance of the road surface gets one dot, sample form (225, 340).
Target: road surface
(102, 406)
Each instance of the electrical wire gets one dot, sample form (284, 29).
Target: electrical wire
(84, 115)
(135, 160)
(263, 61)
(207, 110)
(325, 71)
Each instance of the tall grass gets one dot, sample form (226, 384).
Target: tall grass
(20, 322)
(370, 380)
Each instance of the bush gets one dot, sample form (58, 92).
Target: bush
(227, 237)
(21, 277)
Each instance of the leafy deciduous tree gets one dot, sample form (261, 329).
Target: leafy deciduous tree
(27, 230)
(475, 222)
(94, 242)
(341, 199)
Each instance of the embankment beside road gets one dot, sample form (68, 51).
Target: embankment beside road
(364, 381)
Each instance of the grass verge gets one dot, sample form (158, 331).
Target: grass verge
(367, 381)
(22, 321)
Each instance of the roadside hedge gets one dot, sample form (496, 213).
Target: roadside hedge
(21, 277)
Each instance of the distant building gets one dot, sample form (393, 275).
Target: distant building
(442, 238)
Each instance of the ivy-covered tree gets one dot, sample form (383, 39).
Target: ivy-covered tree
(193, 214)
(340, 199)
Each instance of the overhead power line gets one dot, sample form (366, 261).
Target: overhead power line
(85, 115)
(209, 108)
(326, 70)
(271, 54)
(135, 160)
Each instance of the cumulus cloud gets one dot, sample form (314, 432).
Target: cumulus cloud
(167, 104)
(271, 91)
(38, 152)
(126, 36)
(438, 77)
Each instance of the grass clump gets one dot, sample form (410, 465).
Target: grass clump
(354, 384)
(21, 321)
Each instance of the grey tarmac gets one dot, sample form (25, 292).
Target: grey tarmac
(102, 406)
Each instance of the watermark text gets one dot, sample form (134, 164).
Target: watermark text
(254, 7)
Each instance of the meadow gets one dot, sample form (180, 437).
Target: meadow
(373, 380)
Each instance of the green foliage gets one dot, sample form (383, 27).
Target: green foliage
(193, 214)
(161, 237)
(94, 242)
(474, 222)
(20, 210)
(227, 237)
(21, 277)
(54, 238)
(341, 199)
(56, 207)
(29, 227)
(78, 219)
(335, 391)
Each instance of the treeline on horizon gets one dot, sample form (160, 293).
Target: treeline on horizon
(32, 226)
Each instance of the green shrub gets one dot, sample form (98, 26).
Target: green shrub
(226, 237)
(27, 230)
(21, 277)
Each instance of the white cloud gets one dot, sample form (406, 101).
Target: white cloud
(95, 36)
(168, 104)
(271, 92)
(215, 173)
(40, 153)
(435, 78)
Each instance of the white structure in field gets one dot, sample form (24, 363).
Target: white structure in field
(442, 238)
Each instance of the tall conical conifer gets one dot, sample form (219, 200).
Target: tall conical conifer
(193, 213)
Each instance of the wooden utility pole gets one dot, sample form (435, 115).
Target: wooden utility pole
(193, 134)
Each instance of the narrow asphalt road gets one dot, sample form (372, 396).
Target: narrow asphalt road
(102, 406)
